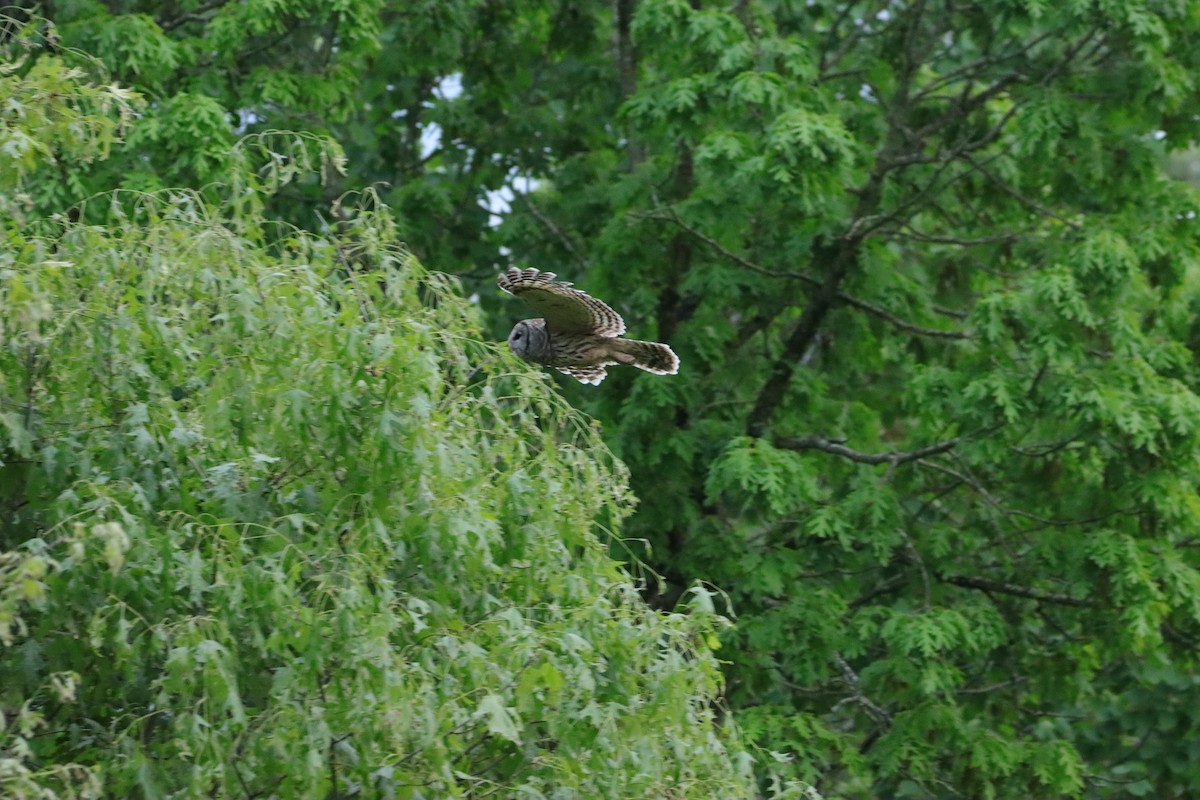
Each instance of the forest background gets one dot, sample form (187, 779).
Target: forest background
(918, 518)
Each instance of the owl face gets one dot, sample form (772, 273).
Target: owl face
(529, 340)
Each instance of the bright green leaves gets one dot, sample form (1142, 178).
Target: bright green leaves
(56, 109)
(294, 527)
(944, 631)
(133, 44)
(1105, 256)
(191, 132)
(213, 73)
(22, 584)
(768, 479)
(801, 146)
(1058, 768)
(763, 121)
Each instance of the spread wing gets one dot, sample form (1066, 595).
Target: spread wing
(566, 310)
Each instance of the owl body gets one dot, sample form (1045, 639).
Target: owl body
(578, 334)
(533, 342)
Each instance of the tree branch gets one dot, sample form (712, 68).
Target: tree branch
(989, 585)
(200, 14)
(669, 214)
(917, 236)
(835, 447)
(876, 712)
(840, 257)
(994, 502)
(1028, 201)
(554, 229)
(903, 325)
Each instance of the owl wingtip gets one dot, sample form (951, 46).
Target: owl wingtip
(530, 273)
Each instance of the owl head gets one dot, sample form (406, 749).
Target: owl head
(529, 340)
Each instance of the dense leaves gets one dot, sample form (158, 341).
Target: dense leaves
(273, 521)
(265, 498)
(934, 439)
(936, 432)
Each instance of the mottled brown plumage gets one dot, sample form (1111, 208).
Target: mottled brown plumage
(576, 334)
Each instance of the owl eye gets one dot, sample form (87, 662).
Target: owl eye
(517, 335)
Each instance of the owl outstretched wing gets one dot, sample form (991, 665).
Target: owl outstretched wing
(565, 309)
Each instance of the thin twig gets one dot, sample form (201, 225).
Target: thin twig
(1028, 201)
(554, 228)
(995, 687)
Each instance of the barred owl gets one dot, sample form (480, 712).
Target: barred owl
(577, 334)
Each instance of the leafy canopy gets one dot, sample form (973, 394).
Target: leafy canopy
(936, 430)
(274, 521)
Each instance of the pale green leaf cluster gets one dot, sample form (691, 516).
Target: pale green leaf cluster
(55, 109)
(270, 512)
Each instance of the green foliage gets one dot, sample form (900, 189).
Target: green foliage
(274, 521)
(58, 110)
(210, 73)
(935, 433)
(936, 427)
(266, 530)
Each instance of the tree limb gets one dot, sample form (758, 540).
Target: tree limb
(873, 709)
(200, 14)
(1028, 201)
(551, 226)
(840, 257)
(838, 449)
(989, 585)
(669, 214)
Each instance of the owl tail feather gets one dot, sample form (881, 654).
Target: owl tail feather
(650, 356)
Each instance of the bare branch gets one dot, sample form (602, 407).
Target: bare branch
(554, 229)
(200, 14)
(917, 236)
(950, 312)
(833, 446)
(859, 32)
(910, 327)
(1028, 201)
(995, 687)
(968, 72)
(989, 585)
(876, 712)
(669, 214)
(993, 501)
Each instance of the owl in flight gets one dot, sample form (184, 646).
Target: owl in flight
(576, 334)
